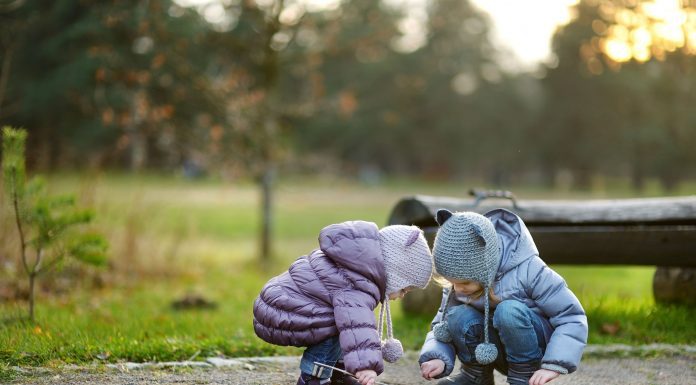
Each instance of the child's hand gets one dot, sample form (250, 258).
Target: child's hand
(366, 377)
(543, 376)
(431, 369)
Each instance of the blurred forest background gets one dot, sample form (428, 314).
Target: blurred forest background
(167, 117)
(247, 88)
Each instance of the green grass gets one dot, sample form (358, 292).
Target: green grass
(170, 237)
(138, 325)
(6, 373)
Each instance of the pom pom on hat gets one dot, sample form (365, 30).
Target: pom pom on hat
(486, 353)
(441, 332)
(392, 350)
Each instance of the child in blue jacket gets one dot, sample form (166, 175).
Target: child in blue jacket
(502, 307)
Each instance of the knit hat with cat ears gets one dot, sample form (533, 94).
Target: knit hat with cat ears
(408, 263)
(407, 258)
(467, 248)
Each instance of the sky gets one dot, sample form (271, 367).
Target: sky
(524, 27)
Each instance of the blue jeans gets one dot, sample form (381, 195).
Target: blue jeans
(516, 330)
(326, 352)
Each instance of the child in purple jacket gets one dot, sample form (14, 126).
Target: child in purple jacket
(326, 299)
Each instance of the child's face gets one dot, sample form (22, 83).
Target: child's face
(465, 287)
(400, 294)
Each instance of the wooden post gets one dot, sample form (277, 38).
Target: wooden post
(675, 285)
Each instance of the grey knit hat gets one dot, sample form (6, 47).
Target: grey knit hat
(407, 258)
(467, 248)
(407, 263)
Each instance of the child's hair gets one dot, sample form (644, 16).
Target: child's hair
(445, 283)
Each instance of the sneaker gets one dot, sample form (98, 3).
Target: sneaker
(307, 379)
(471, 375)
(520, 373)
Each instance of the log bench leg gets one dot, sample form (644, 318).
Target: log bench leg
(675, 285)
(423, 302)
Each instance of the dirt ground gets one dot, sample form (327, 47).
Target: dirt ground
(679, 370)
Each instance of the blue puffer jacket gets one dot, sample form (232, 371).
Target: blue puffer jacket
(524, 277)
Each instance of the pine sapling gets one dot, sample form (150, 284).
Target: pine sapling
(48, 227)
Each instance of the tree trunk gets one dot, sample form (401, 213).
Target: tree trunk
(266, 182)
(548, 174)
(669, 181)
(5, 73)
(138, 140)
(32, 281)
(138, 158)
(637, 176)
(49, 156)
(270, 68)
(582, 179)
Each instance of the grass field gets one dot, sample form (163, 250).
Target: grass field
(171, 237)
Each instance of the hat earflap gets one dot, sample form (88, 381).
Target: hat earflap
(441, 331)
(392, 349)
(486, 352)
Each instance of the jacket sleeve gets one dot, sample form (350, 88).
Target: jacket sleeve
(355, 320)
(565, 313)
(433, 349)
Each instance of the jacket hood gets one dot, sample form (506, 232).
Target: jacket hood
(355, 246)
(516, 242)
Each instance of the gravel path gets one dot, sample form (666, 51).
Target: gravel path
(679, 370)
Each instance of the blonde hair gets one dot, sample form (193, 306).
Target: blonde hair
(445, 283)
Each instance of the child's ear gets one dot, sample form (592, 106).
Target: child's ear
(442, 216)
(479, 234)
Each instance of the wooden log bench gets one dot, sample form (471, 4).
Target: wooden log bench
(646, 231)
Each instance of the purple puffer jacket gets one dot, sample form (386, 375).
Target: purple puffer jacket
(333, 290)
